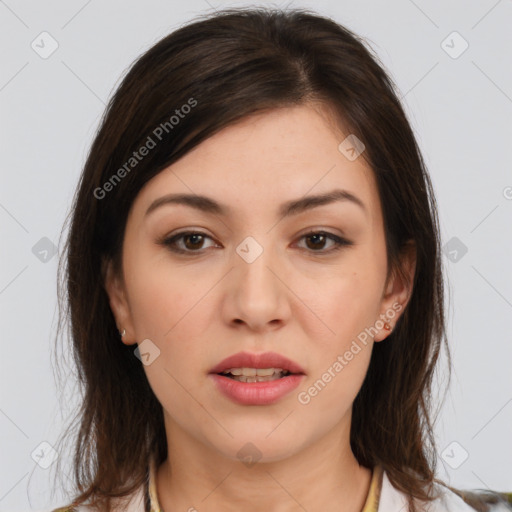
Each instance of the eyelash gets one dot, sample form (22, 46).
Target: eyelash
(171, 241)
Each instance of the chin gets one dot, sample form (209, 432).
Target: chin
(249, 447)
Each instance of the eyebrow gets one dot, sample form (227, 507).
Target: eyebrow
(293, 207)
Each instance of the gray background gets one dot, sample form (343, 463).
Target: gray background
(460, 107)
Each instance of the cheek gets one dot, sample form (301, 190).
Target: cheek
(344, 304)
(159, 298)
(166, 308)
(341, 353)
(173, 310)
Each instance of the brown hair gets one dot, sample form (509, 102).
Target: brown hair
(226, 66)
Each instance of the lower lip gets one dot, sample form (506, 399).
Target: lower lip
(256, 393)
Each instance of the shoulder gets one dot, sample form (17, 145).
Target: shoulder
(71, 508)
(393, 500)
(75, 508)
(134, 502)
(131, 503)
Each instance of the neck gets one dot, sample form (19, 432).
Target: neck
(323, 476)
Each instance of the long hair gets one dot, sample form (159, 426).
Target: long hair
(216, 70)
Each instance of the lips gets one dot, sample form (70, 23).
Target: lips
(263, 360)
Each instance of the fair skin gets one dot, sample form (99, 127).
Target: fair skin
(298, 298)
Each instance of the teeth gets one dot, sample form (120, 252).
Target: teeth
(243, 378)
(267, 372)
(253, 372)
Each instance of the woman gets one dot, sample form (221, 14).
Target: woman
(256, 220)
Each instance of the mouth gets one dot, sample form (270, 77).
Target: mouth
(255, 374)
(254, 367)
(256, 379)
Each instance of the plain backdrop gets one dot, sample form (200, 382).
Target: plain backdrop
(452, 64)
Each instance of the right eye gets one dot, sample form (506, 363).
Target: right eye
(191, 242)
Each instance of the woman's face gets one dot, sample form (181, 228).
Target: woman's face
(255, 281)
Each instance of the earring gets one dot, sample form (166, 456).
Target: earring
(123, 333)
(387, 327)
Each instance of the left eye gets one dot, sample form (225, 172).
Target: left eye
(193, 241)
(320, 237)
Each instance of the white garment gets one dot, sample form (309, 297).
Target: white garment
(393, 500)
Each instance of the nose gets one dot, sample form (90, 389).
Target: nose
(257, 294)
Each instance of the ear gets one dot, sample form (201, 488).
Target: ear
(115, 288)
(398, 290)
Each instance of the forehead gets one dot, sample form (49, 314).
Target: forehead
(267, 159)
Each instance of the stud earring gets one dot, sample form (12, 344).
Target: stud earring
(387, 327)
(123, 333)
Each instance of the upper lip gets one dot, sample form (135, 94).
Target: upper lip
(263, 360)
